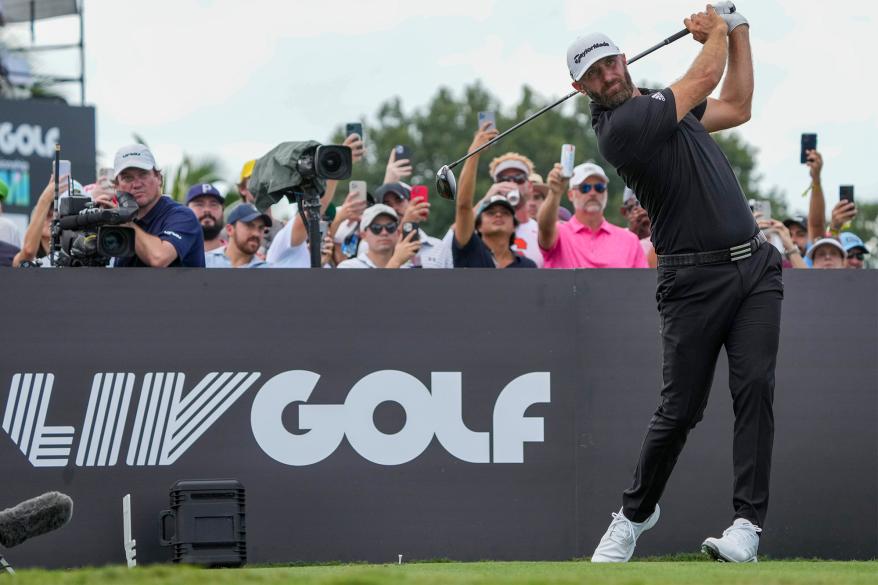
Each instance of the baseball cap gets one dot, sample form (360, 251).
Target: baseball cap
(247, 212)
(135, 156)
(373, 212)
(4, 190)
(399, 189)
(496, 200)
(628, 195)
(203, 190)
(247, 170)
(800, 220)
(586, 51)
(826, 242)
(851, 240)
(586, 170)
(538, 183)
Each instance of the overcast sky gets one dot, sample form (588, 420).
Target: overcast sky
(234, 78)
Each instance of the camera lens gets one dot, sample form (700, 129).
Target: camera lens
(331, 163)
(113, 243)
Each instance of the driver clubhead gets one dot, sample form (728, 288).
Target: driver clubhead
(446, 183)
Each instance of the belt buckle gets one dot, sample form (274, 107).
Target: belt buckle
(741, 252)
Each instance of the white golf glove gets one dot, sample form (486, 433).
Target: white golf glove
(728, 13)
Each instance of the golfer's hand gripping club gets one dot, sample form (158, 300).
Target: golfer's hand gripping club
(730, 14)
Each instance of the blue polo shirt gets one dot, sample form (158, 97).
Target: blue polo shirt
(176, 224)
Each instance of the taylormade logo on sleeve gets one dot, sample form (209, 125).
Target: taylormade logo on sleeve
(168, 421)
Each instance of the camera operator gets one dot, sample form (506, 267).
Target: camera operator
(167, 234)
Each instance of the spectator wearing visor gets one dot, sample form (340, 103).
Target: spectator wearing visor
(433, 253)
(246, 232)
(380, 229)
(827, 253)
(512, 174)
(855, 250)
(588, 240)
(206, 203)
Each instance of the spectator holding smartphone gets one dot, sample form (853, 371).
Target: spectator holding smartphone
(588, 240)
(639, 224)
(432, 254)
(38, 236)
(484, 238)
(381, 230)
(512, 173)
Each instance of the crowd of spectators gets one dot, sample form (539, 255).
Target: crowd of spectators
(519, 222)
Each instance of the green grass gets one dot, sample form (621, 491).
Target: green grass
(576, 572)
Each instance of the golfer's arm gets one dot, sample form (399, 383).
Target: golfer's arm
(736, 97)
(465, 218)
(703, 76)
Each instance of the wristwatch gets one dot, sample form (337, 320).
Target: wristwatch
(792, 251)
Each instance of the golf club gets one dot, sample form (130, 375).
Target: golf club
(446, 183)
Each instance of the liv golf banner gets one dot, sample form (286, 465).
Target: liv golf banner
(29, 130)
(466, 414)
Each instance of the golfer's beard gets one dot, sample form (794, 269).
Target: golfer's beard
(617, 99)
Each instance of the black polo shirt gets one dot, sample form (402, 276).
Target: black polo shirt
(477, 255)
(679, 173)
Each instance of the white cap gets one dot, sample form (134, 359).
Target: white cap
(511, 163)
(135, 156)
(373, 212)
(628, 195)
(587, 50)
(826, 242)
(586, 170)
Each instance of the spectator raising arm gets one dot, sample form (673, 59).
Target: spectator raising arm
(817, 206)
(36, 232)
(548, 214)
(465, 217)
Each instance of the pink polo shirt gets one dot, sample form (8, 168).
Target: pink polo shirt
(608, 247)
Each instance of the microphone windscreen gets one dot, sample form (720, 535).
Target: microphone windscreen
(34, 517)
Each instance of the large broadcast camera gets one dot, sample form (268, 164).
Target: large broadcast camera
(299, 171)
(90, 235)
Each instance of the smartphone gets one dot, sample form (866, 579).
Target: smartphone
(809, 142)
(487, 117)
(360, 188)
(763, 208)
(403, 152)
(420, 193)
(846, 193)
(66, 170)
(354, 128)
(409, 227)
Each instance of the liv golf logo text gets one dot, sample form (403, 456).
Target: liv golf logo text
(167, 421)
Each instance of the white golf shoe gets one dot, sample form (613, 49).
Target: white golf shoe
(619, 540)
(739, 543)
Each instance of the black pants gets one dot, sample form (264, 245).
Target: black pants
(702, 308)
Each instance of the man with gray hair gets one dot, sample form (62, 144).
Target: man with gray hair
(719, 284)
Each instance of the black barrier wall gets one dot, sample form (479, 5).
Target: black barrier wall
(461, 414)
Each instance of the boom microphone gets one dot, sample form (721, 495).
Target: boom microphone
(34, 517)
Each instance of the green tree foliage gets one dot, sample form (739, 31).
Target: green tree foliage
(442, 131)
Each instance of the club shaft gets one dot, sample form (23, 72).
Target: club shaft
(513, 129)
(665, 42)
(500, 137)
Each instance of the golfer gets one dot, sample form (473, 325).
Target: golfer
(719, 283)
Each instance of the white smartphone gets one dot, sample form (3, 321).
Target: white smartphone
(763, 208)
(360, 188)
(65, 173)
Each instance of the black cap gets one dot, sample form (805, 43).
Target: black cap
(800, 220)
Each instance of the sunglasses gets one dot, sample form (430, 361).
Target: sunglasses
(517, 179)
(599, 187)
(391, 227)
(858, 255)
